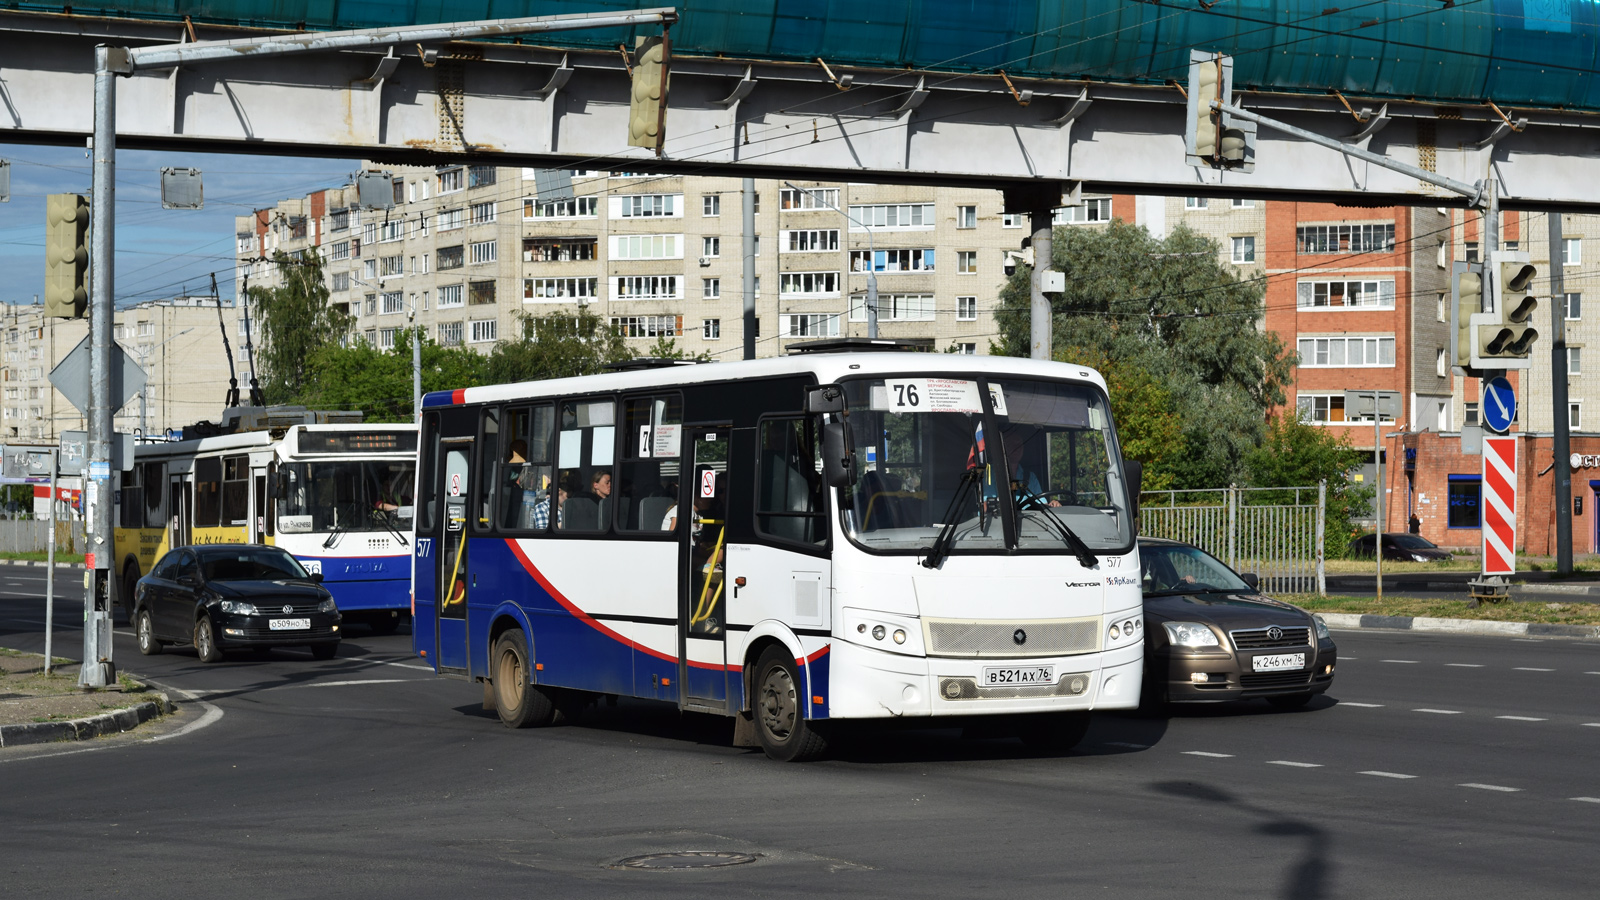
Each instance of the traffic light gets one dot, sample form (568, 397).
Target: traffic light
(1214, 138)
(1466, 298)
(1503, 338)
(647, 105)
(66, 252)
(1206, 89)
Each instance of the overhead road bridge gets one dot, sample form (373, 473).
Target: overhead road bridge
(1020, 95)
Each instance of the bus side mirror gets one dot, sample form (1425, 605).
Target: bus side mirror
(826, 399)
(1135, 473)
(838, 463)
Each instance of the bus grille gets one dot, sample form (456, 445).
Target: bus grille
(1032, 638)
(956, 687)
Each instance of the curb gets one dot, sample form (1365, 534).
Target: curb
(1457, 626)
(84, 729)
(39, 564)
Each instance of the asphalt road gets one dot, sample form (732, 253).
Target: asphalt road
(1437, 767)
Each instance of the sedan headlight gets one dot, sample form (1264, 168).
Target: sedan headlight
(327, 606)
(1190, 634)
(1418, 557)
(238, 608)
(1322, 629)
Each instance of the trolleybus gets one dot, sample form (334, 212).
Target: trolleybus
(791, 542)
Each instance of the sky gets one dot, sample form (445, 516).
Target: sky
(160, 252)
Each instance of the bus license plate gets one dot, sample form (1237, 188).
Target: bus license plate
(1014, 676)
(289, 624)
(1279, 661)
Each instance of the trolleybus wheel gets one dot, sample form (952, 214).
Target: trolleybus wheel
(130, 584)
(781, 726)
(1054, 732)
(521, 705)
(205, 640)
(144, 628)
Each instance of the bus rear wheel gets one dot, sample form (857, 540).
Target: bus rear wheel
(785, 733)
(520, 703)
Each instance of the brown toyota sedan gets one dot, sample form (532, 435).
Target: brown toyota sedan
(1211, 636)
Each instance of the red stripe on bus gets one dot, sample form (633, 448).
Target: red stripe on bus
(458, 396)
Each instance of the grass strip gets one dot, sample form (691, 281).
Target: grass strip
(1509, 611)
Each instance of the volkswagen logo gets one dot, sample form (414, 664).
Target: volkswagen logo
(1019, 637)
(287, 610)
(1274, 633)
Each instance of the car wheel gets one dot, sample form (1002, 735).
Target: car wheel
(144, 627)
(325, 651)
(1054, 732)
(130, 586)
(205, 640)
(521, 704)
(1289, 701)
(781, 726)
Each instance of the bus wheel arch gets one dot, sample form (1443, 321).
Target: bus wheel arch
(763, 635)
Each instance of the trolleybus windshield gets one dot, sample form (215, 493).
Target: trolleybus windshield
(369, 495)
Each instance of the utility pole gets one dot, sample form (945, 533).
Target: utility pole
(1561, 446)
(747, 195)
(1039, 311)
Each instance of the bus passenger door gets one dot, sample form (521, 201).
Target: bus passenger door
(702, 659)
(180, 515)
(451, 539)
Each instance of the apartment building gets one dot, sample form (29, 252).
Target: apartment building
(178, 342)
(469, 250)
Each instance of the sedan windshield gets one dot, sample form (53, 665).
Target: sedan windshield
(364, 495)
(925, 461)
(1178, 569)
(249, 564)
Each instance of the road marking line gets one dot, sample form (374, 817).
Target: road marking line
(1591, 724)
(359, 681)
(1362, 705)
(1490, 787)
(1107, 743)
(1204, 753)
(1585, 799)
(1440, 712)
(1522, 718)
(1298, 765)
(1385, 774)
(1407, 661)
(1466, 665)
(1530, 669)
(1592, 673)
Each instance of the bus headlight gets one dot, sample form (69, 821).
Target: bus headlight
(1191, 634)
(1124, 630)
(882, 631)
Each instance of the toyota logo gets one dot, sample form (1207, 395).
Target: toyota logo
(287, 610)
(1019, 636)
(1274, 633)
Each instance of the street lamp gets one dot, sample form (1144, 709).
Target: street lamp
(144, 395)
(872, 259)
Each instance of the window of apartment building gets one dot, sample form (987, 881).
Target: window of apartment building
(967, 349)
(813, 240)
(1320, 408)
(808, 325)
(393, 302)
(710, 288)
(452, 257)
(711, 247)
(576, 208)
(711, 205)
(1574, 360)
(392, 230)
(399, 187)
(966, 262)
(370, 336)
(908, 260)
(386, 338)
(339, 220)
(482, 331)
(247, 243)
(1574, 416)
(371, 305)
(390, 266)
(894, 307)
(355, 248)
(480, 176)
(1441, 363)
(481, 213)
(147, 328)
(808, 284)
(1510, 246)
(901, 216)
(1439, 256)
(647, 246)
(480, 292)
(1244, 249)
(451, 219)
(711, 329)
(1377, 294)
(755, 245)
(559, 290)
(450, 181)
(647, 205)
(756, 286)
(1464, 501)
(1243, 204)
(1571, 251)
(450, 295)
(1194, 203)
(1094, 211)
(1441, 311)
(648, 326)
(1013, 220)
(339, 251)
(1344, 351)
(450, 334)
(966, 217)
(646, 287)
(808, 198)
(1470, 413)
(560, 249)
(484, 252)
(369, 270)
(297, 228)
(117, 331)
(1345, 238)
(966, 309)
(1472, 251)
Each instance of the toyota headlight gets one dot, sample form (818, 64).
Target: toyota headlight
(238, 608)
(1322, 629)
(326, 606)
(1190, 634)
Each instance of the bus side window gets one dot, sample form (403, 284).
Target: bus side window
(646, 493)
(154, 484)
(790, 495)
(130, 500)
(489, 454)
(427, 475)
(207, 491)
(523, 473)
(584, 454)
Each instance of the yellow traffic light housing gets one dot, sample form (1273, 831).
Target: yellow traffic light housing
(647, 104)
(66, 250)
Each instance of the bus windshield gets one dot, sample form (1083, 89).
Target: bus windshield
(348, 495)
(924, 460)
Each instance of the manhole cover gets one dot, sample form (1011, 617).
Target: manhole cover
(685, 859)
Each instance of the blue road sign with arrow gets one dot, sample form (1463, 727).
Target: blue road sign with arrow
(1499, 404)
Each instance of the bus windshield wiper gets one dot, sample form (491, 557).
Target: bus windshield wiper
(1085, 556)
(941, 544)
(335, 531)
(389, 518)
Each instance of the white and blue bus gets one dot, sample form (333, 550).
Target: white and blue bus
(791, 542)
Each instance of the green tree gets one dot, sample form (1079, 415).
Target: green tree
(378, 382)
(1295, 453)
(559, 345)
(1148, 424)
(294, 322)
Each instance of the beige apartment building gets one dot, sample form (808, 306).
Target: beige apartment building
(177, 342)
(469, 250)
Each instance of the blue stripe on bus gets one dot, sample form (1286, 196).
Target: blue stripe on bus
(438, 398)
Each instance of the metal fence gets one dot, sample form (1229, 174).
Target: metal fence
(33, 536)
(1276, 533)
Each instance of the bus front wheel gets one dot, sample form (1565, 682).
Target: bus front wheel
(781, 726)
(521, 704)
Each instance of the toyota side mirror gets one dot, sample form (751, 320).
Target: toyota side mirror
(838, 463)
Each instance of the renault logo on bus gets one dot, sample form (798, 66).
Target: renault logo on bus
(1019, 636)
